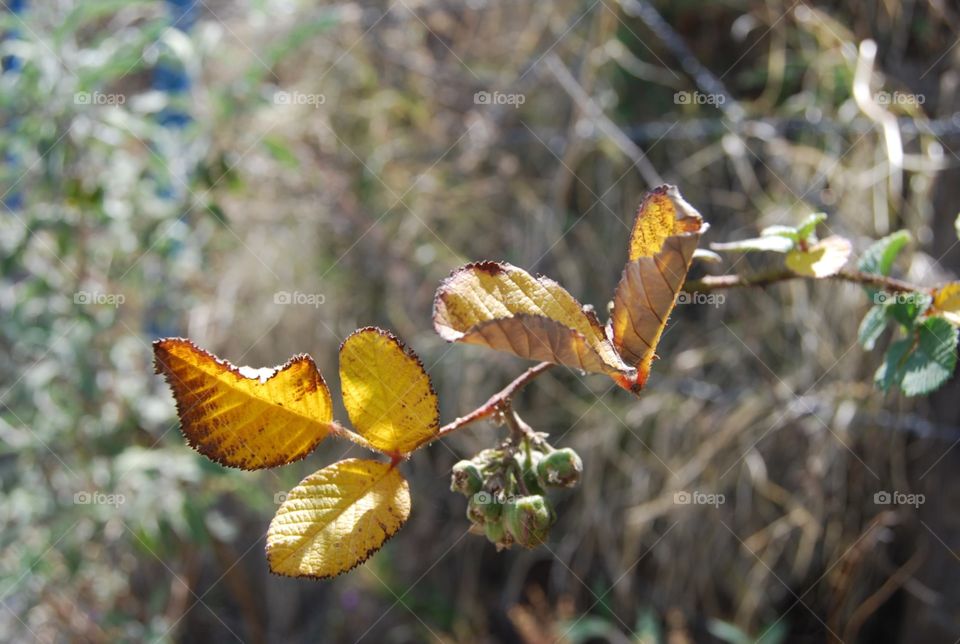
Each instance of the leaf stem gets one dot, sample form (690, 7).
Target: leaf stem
(344, 432)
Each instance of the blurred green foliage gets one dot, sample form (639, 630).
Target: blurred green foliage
(182, 212)
(111, 228)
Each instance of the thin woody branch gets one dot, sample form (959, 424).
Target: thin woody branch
(719, 282)
(500, 401)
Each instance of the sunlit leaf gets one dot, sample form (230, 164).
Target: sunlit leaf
(244, 417)
(781, 231)
(933, 361)
(878, 258)
(663, 213)
(823, 259)
(809, 225)
(775, 239)
(336, 518)
(648, 289)
(872, 326)
(770, 243)
(923, 362)
(707, 256)
(503, 307)
(947, 302)
(386, 392)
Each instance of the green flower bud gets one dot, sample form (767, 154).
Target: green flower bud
(528, 519)
(489, 505)
(465, 478)
(484, 506)
(528, 468)
(494, 531)
(476, 510)
(560, 468)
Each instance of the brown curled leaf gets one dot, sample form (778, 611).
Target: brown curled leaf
(503, 307)
(665, 238)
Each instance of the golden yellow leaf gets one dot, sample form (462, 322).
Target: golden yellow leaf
(663, 213)
(386, 392)
(823, 259)
(947, 302)
(243, 417)
(665, 239)
(336, 518)
(503, 307)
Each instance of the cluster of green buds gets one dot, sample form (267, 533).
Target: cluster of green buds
(506, 489)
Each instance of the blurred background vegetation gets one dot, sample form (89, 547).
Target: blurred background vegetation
(173, 168)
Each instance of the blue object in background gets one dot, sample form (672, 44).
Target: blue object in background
(12, 200)
(12, 63)
(169, 75)
(183, 13)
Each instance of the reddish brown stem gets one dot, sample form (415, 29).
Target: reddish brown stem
(497, 402)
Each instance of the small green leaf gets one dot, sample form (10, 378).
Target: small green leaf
(772, 243)
(809, 225)
(933, 361)
(878, 259)
(872, 326)
(891, 371)
(905, 308)
(708, 256)
(782, 231)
